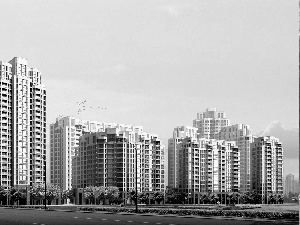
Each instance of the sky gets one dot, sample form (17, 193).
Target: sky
(158, 63)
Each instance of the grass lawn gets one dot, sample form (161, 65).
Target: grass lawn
(288, 207)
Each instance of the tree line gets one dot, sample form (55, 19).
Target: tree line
(36, 193)
(101, 194)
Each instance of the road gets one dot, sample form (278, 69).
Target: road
(41, 217)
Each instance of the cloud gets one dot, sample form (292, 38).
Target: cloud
(288, 137)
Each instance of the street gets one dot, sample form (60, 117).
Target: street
(41, 217)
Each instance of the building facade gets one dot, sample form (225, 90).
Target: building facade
(64, 138)
(207, 165)
(289, 186)
(242, 135)
(23, 124)
(65, 135)
(266, 166)
(210, 123)
(179, 134)
(109, 159)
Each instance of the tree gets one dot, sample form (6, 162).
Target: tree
(3, 193)
(52, 192)
(246, 198)
(17, 194)
(100, 193)
(175, 196)
(272, 198)
(233, 197)
(158, 196)
(280, 198)
(204, 198)
(90, 193)
(111, 193)
(143, 197)
(213, 198)
(67, 194)
(255, 197)
(180, 197)
(132, 195)
(37, 192)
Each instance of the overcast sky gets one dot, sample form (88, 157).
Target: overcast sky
(158, 63)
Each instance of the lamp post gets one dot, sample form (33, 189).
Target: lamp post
(136, 192)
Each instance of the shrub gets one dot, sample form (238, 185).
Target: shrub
(201, 212)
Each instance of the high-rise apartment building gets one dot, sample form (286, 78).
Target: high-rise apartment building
(210, 123)
(179, 134)
(207, 165)
(109, 158)
(289, 186)
(242, 135)
(266, 166)
(22, 124)
(64, 138)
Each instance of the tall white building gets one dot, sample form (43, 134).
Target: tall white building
(210, 123)
(179, 134)
(64, 138)
(242, 135)
(108, 159)
(207, 165)
(65, 134)
(266, 166)
(22, 124)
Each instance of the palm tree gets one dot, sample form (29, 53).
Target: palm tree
(279, 198)
(213, 198)
(233, 197)
(204, 197)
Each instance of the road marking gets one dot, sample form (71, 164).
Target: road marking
(75, 217)
(88, 218)
(158, 223)
(34, 223)
(104, 219)
(117, 220)
(146, 222)
(129, 221)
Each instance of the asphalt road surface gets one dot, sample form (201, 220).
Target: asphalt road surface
(41, 217)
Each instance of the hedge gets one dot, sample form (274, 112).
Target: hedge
(201, 212)
(183, 211)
